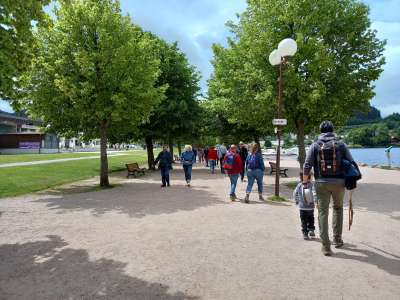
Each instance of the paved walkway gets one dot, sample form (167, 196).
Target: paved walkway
(51, 161)
(138, 241)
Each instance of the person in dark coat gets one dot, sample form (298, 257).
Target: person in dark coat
(206, 156)
(243, 152)
(164, 160)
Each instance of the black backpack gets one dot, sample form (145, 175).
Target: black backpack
(330, 155)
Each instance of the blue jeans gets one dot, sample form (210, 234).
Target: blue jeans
(164, 175)
(212, 165)
(255, 175)
(188, 172)
(234, 179)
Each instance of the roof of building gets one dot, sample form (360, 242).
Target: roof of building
(18, 117)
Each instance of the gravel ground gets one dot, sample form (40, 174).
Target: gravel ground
(138, 241)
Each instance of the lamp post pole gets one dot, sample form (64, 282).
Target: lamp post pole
(278, 57)
(279, 128)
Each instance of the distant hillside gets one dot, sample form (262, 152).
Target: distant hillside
(374, 134)
(372, 116)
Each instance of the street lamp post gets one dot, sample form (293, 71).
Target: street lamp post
(278, 57)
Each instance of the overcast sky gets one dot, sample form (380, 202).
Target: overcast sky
(197, 24)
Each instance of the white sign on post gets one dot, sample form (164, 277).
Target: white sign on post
(279, 122)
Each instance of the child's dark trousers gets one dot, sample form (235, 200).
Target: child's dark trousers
(307, 220)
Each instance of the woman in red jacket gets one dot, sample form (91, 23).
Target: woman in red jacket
(212, 158)
(233, 166)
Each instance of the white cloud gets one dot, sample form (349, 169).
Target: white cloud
(196, 25)
(387, 89)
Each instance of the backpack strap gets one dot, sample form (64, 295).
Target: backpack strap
(322, 157)
(334, 157)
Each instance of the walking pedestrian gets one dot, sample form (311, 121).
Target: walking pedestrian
(243, 152)
(306, 198)
(221, 155)
(188, 159)
(255, 172)
(164, 160)
(206, 156)
(232, 166)
(195, 154)
(217, 160)
(212, 158)
(200, 154)
(325, 156)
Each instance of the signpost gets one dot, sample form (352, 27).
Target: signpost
(279, 122)
(279, 57)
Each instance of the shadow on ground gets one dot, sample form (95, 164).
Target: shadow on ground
(49, 270)
(390, 264)
(135, 198)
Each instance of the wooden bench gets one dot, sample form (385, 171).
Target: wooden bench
(273, 169)
(134, 169)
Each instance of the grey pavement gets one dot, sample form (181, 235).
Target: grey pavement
(139, 241)
(51, 161)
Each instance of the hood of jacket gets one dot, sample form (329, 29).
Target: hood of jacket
(326, 137)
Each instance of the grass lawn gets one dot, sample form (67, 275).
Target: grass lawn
(15, 158)
(21, 180)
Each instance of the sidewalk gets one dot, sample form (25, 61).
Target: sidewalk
(138, 241)
(50, 161)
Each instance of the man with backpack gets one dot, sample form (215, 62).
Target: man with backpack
(232, 166)
(326, 156)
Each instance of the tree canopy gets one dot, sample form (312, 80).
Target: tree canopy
(16, 40)
(330, 77)
(94, 73)
(174, 118)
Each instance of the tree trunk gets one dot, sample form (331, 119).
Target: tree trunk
(150, 152)
(179, 148)
(103, 157)
(300, 142)
(257, 139)
(171, 146)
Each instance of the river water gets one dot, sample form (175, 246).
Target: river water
(376, 156)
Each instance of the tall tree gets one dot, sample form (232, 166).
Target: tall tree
(331, 76)
(16, 40)
(175, 117)
(93, 73)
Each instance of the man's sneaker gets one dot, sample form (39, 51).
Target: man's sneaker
(233, 197)
(312, 233)
(326, 250)
(338, 242)
(260, 196)
(163, 185)
(246, 199)
(305, 236)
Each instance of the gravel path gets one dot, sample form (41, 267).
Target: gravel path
(138, 241)
(51, 161)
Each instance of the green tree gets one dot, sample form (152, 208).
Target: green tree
(215, 127)
(93, 73)
(331, 76)
(174, 119)
(16, 40)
